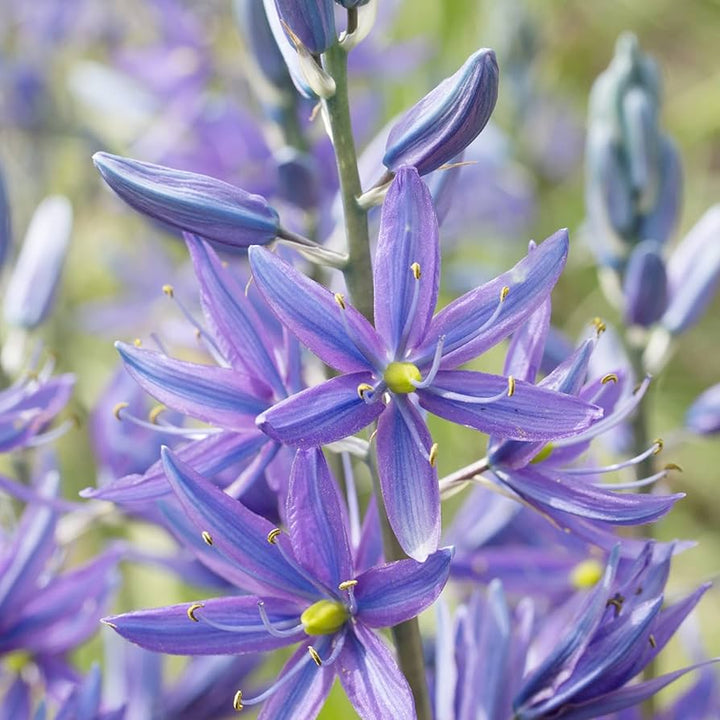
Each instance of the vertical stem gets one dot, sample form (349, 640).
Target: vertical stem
(358, 274)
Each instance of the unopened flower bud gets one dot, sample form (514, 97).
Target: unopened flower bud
(645, 287)
(37, 271)
(220, 212)
(312, 21)
(447, 119)
(703, 416)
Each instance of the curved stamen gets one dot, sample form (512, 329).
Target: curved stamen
(437, 358)
(640, 483)
(352, 501)
(355, 339)
(202, 334)
(609, 421)
(193, 433)
(472, 399)
(413, 432)
(52, 435)
(370, 394)
(239, 701)
(416, 272)
(654, 449)
(195, 616)
(348, 586)
(276, 630)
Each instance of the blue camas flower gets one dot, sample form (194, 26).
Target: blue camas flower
(309, 586)
(410, 356)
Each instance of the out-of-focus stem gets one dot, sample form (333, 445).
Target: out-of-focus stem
(357, 271)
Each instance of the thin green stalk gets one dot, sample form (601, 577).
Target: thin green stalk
(358, 274)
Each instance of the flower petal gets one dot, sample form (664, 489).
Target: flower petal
(313, 314)
(408, 235)
(395, 592)
(317, 520)
(322, 414)
(371, 678)
(216, 395)
(170, 629)
(408, 480)
(525, 353)
(530, 413)
(461, 322)
(236, 532)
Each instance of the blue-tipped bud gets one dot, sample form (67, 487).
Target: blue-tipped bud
(5, 224)
(255, 29)
(31, 289)
(703, 416)
(645, 287)
(447, 119)
(312, 21)
(694, 272)
(216, 210)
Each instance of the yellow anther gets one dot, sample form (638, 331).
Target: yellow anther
(137, 342)
(207, 537)
(373, 435)
(237, 701)
(433, 454)
(362, 388)
(398, 376)
(118, 408)
(504, 293)
(673, 466)
(340, 300)
(273, 535)
(609, 378)
(155, 413)
(192, 610)
(347, 584)
(511, 386)
(652, 641)
(659, 445)
(314, 655)
(168, 290)
(415, 267)
(599, 325)
(17, 660)
(616, 602)
(586, 574)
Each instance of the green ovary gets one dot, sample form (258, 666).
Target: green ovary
(398, 376)
(324, 617)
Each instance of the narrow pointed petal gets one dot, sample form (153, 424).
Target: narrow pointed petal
(16, 701)
(313, 314)
(530, 413)
(170, 630)
(703, 416)
(447, 119)
(371, 678)
(302, 695)
(525, 353)
(409, 482)
(556, 495)
(219, 396)
(234, 322)
(408, 235)
(460, 323)
(392, 593)
(237, 533)
(322, 414)
(216, 210)
(317, 520)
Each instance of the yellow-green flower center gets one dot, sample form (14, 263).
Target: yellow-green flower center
(398, 375)
(544, 454)
(15, 661)
(324, 617)
(586, 574)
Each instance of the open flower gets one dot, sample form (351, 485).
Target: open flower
(311, 588)
(410, 356)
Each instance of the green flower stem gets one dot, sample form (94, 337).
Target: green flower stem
(406, 635)
(358, 270)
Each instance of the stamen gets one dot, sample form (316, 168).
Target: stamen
(155, 413)
(410, 317)
(340, 300)
(137, 342)
(349, 587)
(370, 394)
(660, 445)
(511, 386)
(599, 325)
(415, 267)
(54, 434)
(354, 338)
(314, 655)
(273, 535)
(118, 407)
(274, 630)
(654, 449)
(207, 537)
(237, 701)
(652, 641)
(437, 358)
(504, 292)
(610, 377)
(192, 433)
(643, 482)
(168, 290)
(192, 609)
(352, 501)
(413, 432)
(433, 454)
(616, 602)
(471, 399)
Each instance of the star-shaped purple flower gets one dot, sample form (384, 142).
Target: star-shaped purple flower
(410, 356)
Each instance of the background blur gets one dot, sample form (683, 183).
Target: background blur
(163, 80)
